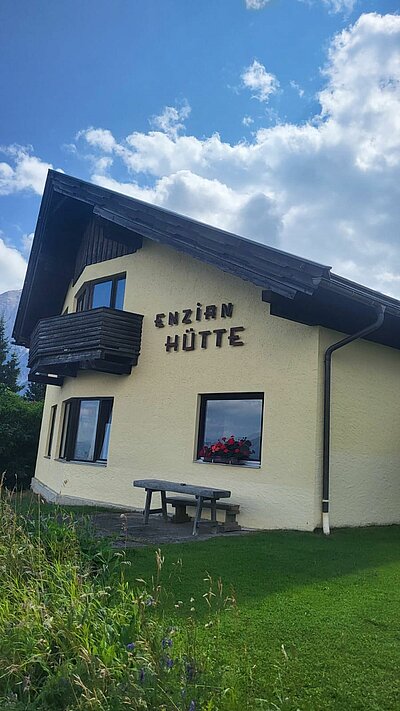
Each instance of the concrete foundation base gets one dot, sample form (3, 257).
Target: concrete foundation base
(55, 498)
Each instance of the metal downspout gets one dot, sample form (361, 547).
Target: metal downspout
(380, 310)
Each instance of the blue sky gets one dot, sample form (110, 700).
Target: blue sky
(213, 109)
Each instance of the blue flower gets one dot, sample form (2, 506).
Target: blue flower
(169, 663)
(192, 706)
(130, 646)
(149, 601)
(166, 643)
(141, 675)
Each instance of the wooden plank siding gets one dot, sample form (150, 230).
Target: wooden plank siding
(98, 245)
(101, 339)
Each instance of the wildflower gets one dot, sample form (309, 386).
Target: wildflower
(192, 609)
(130, 646)
(169, 663)
(141, 675)
(149, 601)
(166, 643)
(192, 706)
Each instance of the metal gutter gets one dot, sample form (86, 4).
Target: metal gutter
(361, 293)
(380, 311)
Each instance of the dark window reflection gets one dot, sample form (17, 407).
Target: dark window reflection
(86, 430)
(240, 418)
(102, 294)
(119, 294)
(87, 427)
(109, 294)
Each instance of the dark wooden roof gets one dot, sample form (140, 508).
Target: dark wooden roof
(297, 288)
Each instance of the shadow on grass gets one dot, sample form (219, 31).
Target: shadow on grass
(256, 565)
(261, 564)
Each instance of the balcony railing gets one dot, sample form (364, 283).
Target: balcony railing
(103, 339)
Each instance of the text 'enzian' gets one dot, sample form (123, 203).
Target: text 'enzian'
(191, 339)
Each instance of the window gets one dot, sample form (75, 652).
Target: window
(63, 441)
(86, 429)
(80, 302)
(237, 414)
(101, 294)
(52, 422)
(108, 292)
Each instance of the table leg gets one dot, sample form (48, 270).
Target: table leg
(214, 513)
(164, 505)
(149, 493)
(198, 515)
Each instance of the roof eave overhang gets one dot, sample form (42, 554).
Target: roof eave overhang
(298, 289)
(265, 267)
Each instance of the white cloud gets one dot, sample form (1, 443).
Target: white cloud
(98, 138)
(69, 148)
(171, 120)
(12, 268)
(336, 6)
(327, 189)
(102, 165)
(258, 80)
(247, 120)
(27, 241)
(255, 4)
(24, 171)
(297, 88)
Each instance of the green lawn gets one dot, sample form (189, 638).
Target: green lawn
(316, 626)
(333, 603)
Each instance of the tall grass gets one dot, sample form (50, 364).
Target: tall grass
(75, 635)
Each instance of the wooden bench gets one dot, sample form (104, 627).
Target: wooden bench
(180, 503)
(200, 495)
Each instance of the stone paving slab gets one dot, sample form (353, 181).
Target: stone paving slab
(128, 530)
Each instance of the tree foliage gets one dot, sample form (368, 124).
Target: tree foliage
(19, 437)
(20, 421)
(35, 392)
(9, 363)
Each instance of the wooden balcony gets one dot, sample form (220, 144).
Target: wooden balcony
(103, 339)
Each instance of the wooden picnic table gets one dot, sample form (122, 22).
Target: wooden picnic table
(199, 493)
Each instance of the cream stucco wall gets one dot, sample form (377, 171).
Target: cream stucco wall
(156, 407)
(365, 432)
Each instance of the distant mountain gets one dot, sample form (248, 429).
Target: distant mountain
(9, 301)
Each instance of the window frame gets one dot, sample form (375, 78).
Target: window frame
(84, 295)
(50, 435)
(204, 397)
(64, 427)
(70, 426)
